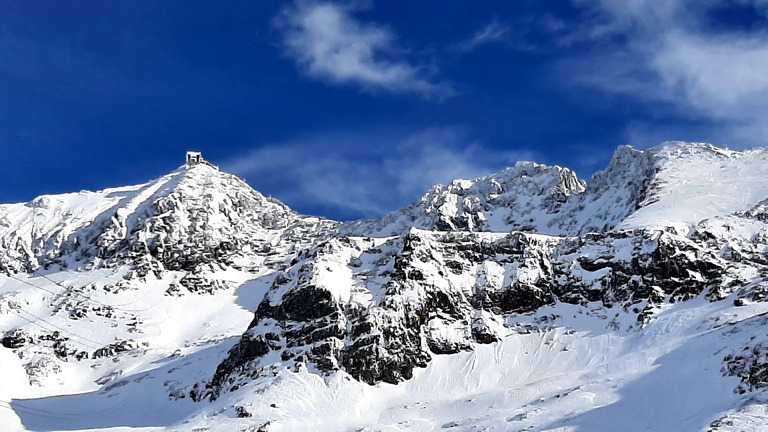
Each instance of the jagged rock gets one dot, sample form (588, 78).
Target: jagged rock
(164, 225)
(16, 339)
(242, 412)
(40, 369)
(441, 293)
(751, 366)
(114, 349)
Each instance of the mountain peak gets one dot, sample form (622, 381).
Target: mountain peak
(510, 199)
(683, 148)
(196, 204)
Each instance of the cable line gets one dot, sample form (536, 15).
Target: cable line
(83, 338)
(115, 307)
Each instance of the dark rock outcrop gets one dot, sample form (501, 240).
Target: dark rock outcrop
(430, 293)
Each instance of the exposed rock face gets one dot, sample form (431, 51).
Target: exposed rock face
(662, 186)
(529, 197)
(751, 366)
(380, 309)
(513, 198)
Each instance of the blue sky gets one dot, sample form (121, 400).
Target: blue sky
(350, 109)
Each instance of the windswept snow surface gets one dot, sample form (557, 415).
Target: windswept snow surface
(700, 181)
(119, 307)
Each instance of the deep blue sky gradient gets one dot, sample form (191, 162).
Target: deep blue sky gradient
(96, 94)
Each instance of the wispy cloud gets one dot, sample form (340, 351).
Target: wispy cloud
(670, 52)
(328, 43)
(492, 32)
(367, 174)
(520, 34)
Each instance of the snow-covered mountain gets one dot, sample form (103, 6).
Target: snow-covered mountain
(676, 183)
(525, 300)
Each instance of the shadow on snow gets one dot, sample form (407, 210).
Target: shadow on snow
(138, 400)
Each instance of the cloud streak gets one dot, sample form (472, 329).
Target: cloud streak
(492, 32)
(366, 175)
(330, 45)
(672, 53)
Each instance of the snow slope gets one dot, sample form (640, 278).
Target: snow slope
(574, 373)
(571, 374)
(701, 181)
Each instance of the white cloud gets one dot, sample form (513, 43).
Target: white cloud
(329, 44)
(366, 175)
(493, 32)
(672, 54)
(721, 76)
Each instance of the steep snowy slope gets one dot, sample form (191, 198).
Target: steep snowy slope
(525, 300)
(698, 181)
(380, 311)
(571, 368)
